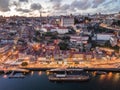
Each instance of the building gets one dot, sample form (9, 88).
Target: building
(101, 39)
(117, 16)
(79, 39)
(67, 21)
(113, 41)
(60, 30)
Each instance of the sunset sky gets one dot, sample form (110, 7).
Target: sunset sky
(57, 7)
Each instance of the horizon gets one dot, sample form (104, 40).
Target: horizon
(36, 8)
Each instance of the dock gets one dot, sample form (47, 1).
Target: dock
(16, 75)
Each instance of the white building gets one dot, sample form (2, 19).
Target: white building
(79, 39)
(67, 21)
(117, 16)
(60, 30)
(102, 37)
(113, 41)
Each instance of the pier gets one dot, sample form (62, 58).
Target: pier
(16, 75)
(76, 68)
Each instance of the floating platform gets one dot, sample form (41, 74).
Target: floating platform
(15, 70)
(16, 75)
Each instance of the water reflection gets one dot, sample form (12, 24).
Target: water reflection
(48, 73)
(109, 76)
(94, 74)
(5, 76)
(116, 77)
(102, 77)
(39, 73)
(109, 81)
(32, 73)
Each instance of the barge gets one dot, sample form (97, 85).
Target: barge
(68, 75)
(68, 78)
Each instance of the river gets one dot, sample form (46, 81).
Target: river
(39, 81)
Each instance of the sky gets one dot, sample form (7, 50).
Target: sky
(57, 7)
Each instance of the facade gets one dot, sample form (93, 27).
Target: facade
(113, 41)
(79, 39)
(67, 21)
(60, 30)
(117, 16)
(101, 39)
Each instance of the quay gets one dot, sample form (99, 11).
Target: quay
(28, 69)
(76, 68)
(103, 69)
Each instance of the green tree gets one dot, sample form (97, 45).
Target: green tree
(48, 34)
(24, 63)
(63, 46)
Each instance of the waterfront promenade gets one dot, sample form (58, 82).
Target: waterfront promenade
(103, 65)
(94, 66)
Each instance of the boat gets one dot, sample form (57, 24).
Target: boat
(100, 73)
(66, 76)
(69, 78)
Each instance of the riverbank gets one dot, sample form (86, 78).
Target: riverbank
(86, 69)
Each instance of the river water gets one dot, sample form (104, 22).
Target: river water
(39, 81)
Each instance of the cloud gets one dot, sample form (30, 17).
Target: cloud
(56, 1)
(108, 6)
(65, 7)
(72, 7)
(36, 6)
(15, 3)
(24, 1)
(110, 2)
(59, 7)
(96, 3)
(56, 4)
(81, 4)
(4, 5)
(23, 10)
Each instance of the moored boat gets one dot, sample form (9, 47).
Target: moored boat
(68, 78)
(68, 75)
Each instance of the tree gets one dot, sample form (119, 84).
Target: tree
(63, 46)
(24, 63)
(37, 33)
(54, 37)
(66, 38)
(48, 34)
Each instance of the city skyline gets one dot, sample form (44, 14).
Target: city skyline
(59, 45)
(57, 7)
